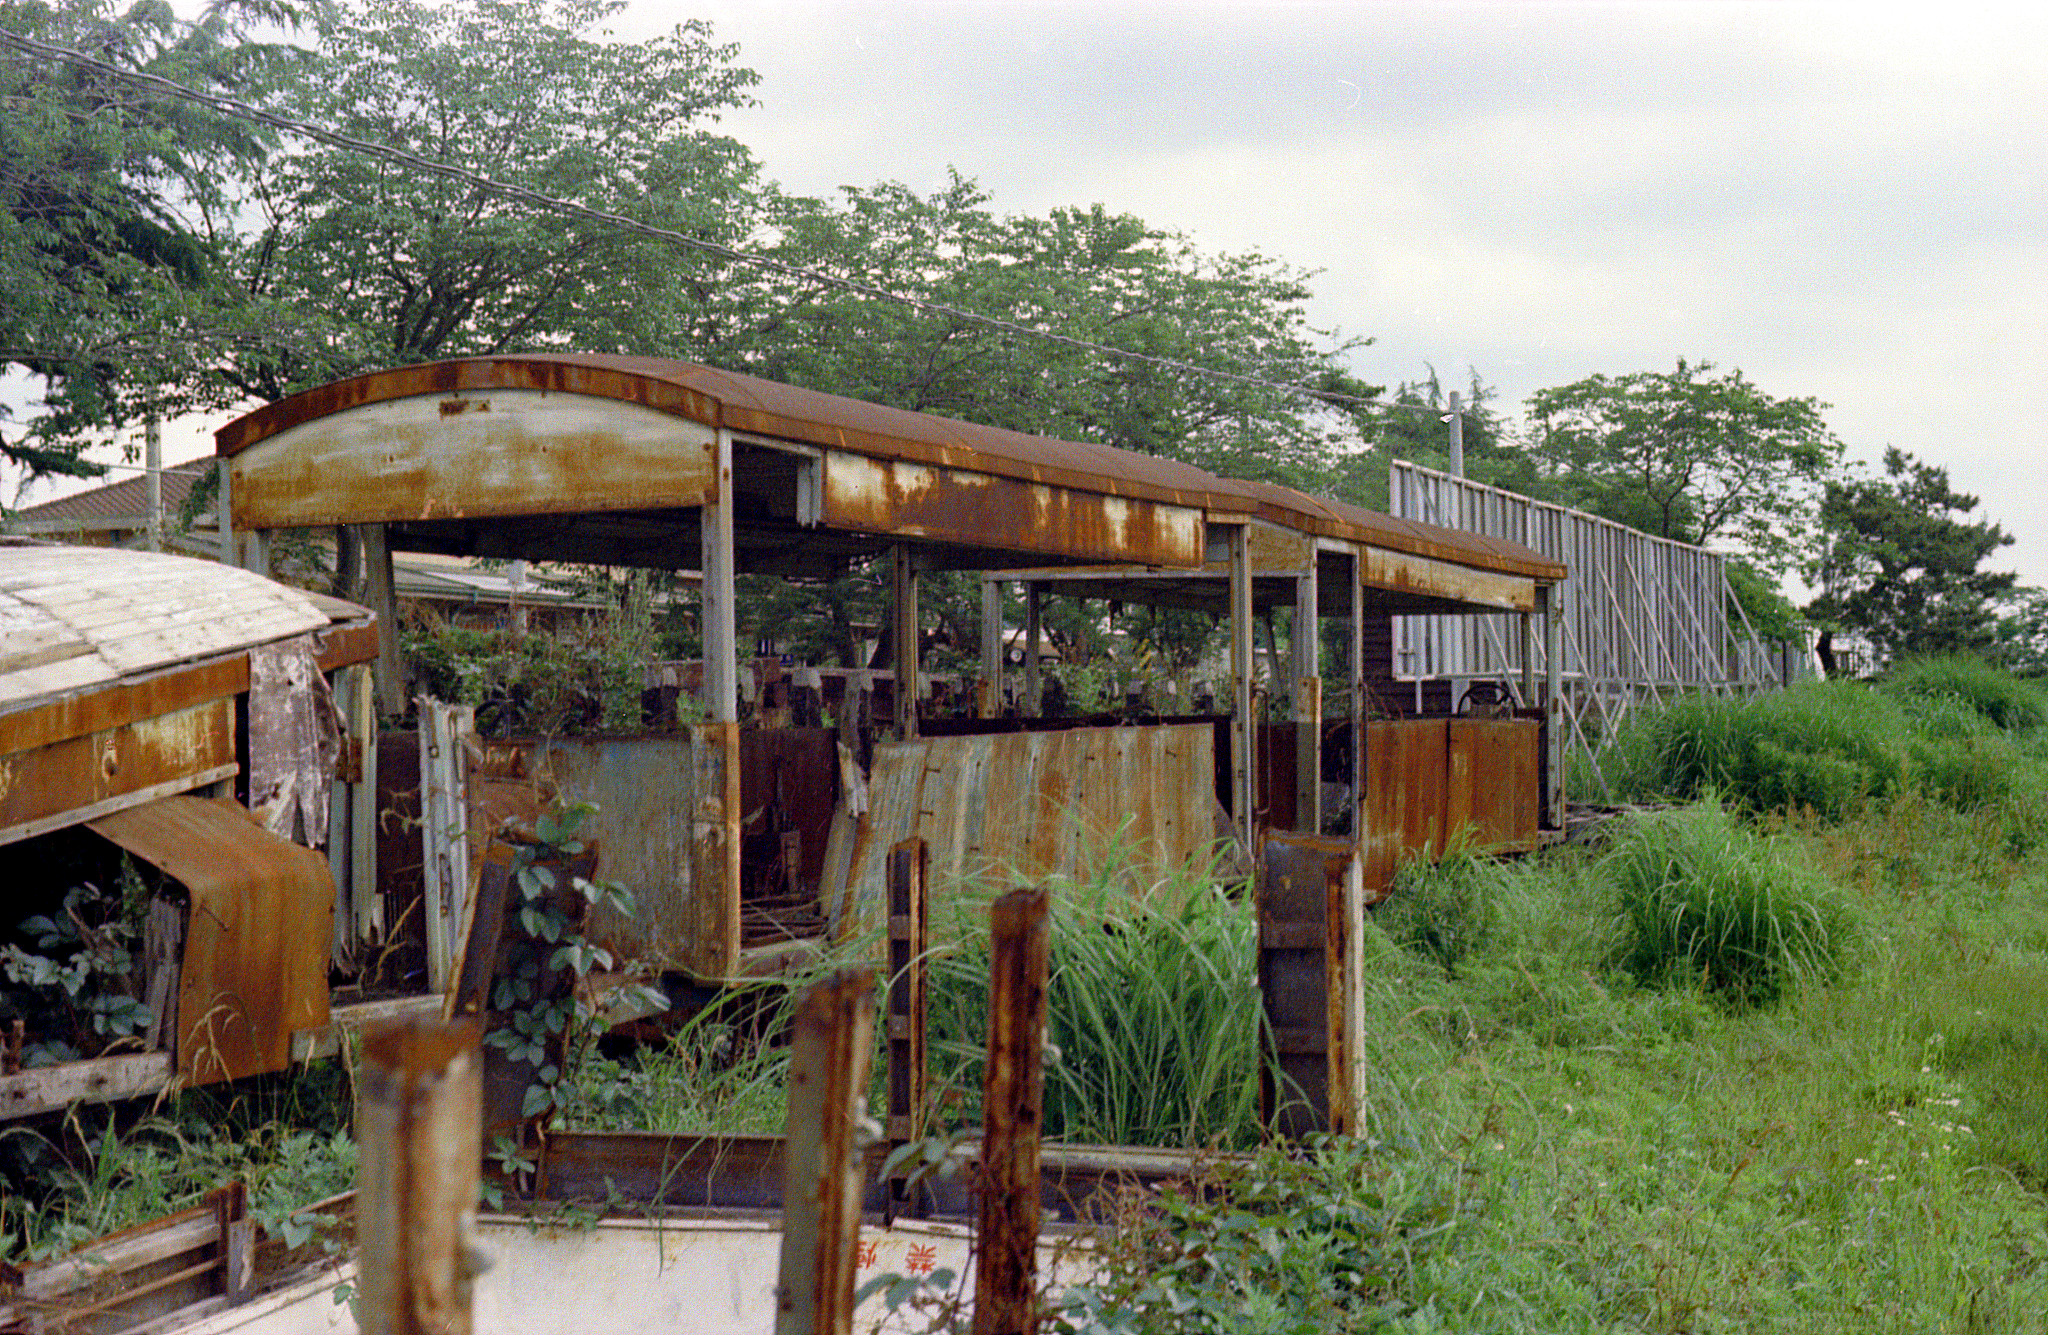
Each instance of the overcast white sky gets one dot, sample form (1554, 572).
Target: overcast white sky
(1846, 201)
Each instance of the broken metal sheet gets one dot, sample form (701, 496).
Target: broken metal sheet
(294, 740)
(256, 939)
(1029, 805)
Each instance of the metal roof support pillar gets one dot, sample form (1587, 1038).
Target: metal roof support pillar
(1355, 670)
(1547, 607)
(903, 626)
(256, 552)
(720, 629)
(224, 517)
(380, 591)
(1034, 598)
(1243, 727)
(988, 692)
(1525, 636)
(1308, 704)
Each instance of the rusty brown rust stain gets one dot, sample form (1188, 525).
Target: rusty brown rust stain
(257, 936)
(127, 758)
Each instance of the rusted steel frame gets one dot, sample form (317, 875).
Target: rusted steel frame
(713, 920)
(419, 1107)
(1013, 1108)
(1308, 703)
(988, 687)
(905, 653)
(830, 1046)
(1306, 889)
(904, 1014)
(719, 627)
(1355, 670)
(1034, 608)
(380, 590)
(1553, 704)
(1243, 726)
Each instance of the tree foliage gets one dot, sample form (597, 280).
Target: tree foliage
(108, 195)
(1692, 456)
(1900, 562)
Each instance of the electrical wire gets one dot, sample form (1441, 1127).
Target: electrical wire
(239, 110)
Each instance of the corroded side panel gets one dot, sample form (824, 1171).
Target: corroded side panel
(1406, 777)
(1442, 579)
(1029, 805)
(711, 918)
(82, 773)
(1493, 784)
(914, 500)
(494, 452)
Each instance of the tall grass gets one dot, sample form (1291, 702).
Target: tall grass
(1701, 897)
(1999, 698)
(1153, 1015)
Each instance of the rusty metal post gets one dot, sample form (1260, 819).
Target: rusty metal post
(905, 1010)
(988, 691)
(1528, 663)
(1013, 1105)
(1034, 696)
(1243, 727)
(1554, 722)
(720, 629)
(903, 630)
(419, 1109)
(1359, 720)
(1308, 703)
(830, 1047)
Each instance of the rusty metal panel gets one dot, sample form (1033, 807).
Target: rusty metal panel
(1031, 805)
(980, 509)
(74, 780)
(1403, 573)
(711, 916)
(256, 939)
(496, 452)
(1406, 777)
(1493, 784)
(1303, 938)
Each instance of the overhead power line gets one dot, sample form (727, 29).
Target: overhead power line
(239, 110)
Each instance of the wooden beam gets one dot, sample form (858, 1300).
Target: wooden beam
(381, 591)
(830, 1046)
(1013, 1107)
(419, 1115)
(720, 627)
(903, 630)
(988, 689)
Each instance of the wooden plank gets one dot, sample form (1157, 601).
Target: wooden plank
(1013, 1111)
(830, 1048)
(100, 1080)
(313, 1044)
(493, 452)
(1403, 573)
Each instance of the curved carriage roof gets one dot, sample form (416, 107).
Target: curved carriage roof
(768, 408)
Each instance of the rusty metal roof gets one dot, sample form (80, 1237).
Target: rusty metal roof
(256, 940)
(765, 407)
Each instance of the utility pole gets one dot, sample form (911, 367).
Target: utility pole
(1456, 418)
(153, 479)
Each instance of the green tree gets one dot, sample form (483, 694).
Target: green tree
(2020, 638)
(108, 197)
(1415, 426)
(1901, 565)
(1692, 456)
(383, 266)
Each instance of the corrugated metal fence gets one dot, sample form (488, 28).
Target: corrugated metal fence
(1643, 617)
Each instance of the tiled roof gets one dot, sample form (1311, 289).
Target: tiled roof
(96, 506)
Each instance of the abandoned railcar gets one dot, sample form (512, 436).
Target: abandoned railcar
(743, 838)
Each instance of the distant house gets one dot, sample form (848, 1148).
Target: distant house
(429, 587)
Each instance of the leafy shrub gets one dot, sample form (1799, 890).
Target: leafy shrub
(1703, 898)
(1444, 910)
(1999, 697)
(1823, 746)
(1965, 772)
(1321, 1238)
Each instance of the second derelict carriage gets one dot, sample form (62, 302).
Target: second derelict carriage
(644, 462)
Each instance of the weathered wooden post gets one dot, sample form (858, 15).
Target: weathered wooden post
(830, 1048)
(419, 1110)
(905, 1011)
(1013, 1107)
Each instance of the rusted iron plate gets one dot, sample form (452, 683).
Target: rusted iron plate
(1302, 939)
(501, 452)
(908, 499)
(762, 407)
(185, 747)
(1403, 573)
(1030, 805)
(1493, 785)
(1406, 776)
(256, 939)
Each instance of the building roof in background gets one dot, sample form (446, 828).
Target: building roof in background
(117, 505)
